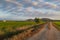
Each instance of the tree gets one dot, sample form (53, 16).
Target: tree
(37, 20)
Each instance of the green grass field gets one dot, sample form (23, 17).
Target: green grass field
(57, 25)
(10, 26)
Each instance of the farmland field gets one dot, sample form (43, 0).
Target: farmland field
(10, 26)
(57, 24)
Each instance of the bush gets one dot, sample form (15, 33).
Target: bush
(37, 20)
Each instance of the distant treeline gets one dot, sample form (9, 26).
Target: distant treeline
(56, 20)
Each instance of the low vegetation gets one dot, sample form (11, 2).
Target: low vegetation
(27, 33)
(57, 24)
(10, 26)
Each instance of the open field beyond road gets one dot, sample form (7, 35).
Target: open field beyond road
(57, 25)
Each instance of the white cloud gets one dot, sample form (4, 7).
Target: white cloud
(15, 2)
(34, 3)
(29, 8)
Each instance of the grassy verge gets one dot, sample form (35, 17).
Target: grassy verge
(57, 24)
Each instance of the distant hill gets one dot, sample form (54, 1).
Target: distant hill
(46, 19)
(30, 20)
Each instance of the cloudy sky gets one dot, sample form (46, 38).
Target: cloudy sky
(25, 9)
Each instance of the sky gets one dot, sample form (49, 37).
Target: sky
(27, 9)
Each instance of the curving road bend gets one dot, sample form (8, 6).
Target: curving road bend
(49, 32)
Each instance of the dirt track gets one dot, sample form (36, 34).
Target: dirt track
(49, 32)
